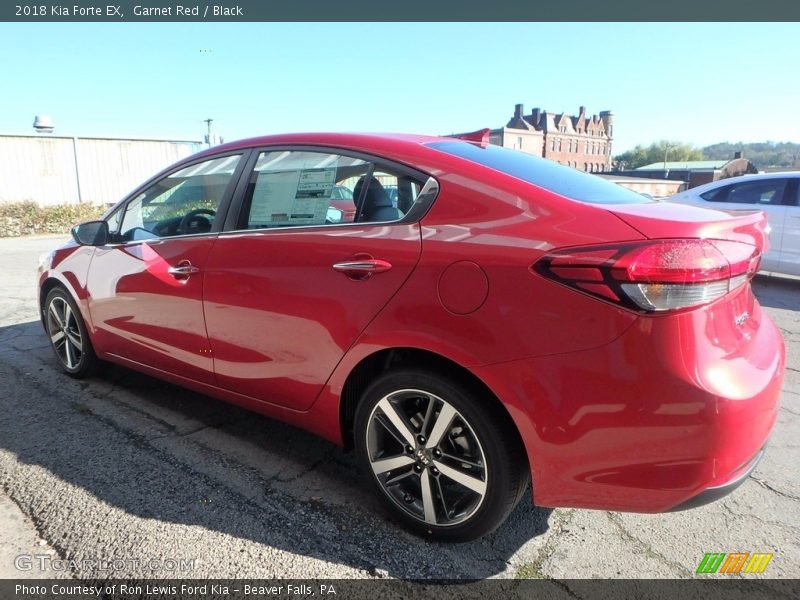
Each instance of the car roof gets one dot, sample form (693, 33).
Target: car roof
(752, 177)
(386, 141)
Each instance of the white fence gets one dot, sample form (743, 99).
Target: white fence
(63, 170)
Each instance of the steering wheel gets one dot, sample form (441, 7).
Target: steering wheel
(192, 216)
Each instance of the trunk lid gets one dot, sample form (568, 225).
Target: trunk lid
(657, 220)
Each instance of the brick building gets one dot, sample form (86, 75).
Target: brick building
(582, 142)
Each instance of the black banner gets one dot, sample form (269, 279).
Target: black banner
(582, 589)
(400, 10)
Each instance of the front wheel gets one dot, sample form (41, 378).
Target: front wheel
(441, 456)
(67, 333)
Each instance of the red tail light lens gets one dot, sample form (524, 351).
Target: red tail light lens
(656, 275)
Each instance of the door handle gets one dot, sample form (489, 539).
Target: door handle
(183, 270)
(363, 268)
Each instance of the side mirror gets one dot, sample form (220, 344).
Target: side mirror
(91, 233)
(334, 215)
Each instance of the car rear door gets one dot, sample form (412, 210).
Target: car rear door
(292, 285)
(790, 242)
(146, 286)
(765, 194)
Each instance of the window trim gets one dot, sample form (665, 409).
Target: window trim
(236, 215)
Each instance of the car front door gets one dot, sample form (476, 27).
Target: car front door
(760, 194)
(146, 286)
(291, 288)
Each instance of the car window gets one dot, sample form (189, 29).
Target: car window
(717, 194)
(761, 192)
(115, 219)
(543, 173)
(304, 188)
(182, 203)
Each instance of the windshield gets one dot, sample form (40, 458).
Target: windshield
(544, 173)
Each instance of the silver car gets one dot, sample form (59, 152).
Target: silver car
(774, 193)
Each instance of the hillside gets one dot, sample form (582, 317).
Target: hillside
(762, 154)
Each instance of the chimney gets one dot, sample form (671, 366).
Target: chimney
(534, 118)
(518, 110)
(581, 110)
(737, 154)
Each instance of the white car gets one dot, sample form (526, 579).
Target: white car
(774, 193)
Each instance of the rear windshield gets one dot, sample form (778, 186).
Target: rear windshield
(546, 174)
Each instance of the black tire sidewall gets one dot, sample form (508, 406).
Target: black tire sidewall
(502, 463)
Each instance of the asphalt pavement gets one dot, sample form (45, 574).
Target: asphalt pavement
(126, 476)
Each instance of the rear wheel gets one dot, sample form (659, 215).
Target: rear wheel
(440, 455)
(67, 333)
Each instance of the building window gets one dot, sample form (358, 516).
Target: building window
(558, 145)
(519, 143)
(553, 144)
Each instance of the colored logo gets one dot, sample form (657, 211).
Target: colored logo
(734, 562)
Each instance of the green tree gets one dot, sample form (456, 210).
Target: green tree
(782, 155)
(655, 153)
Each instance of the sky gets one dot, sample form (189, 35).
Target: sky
(693, 83)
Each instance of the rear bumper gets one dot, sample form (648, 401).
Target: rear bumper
(713, 494)
(671, 413)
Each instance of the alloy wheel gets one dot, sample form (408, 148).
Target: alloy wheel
(64, 332)
(426, 457)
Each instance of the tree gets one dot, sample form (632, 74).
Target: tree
(763, 154)
(657, 152)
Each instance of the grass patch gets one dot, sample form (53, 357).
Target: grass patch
(28, 218)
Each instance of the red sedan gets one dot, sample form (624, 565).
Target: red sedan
(502, 320)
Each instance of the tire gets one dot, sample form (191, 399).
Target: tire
(67, 333)
(440, 456)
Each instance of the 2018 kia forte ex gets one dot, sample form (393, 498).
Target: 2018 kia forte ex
(501, 321)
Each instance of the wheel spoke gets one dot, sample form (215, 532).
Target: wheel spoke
(387, 425)
(462, 460)
(68, 353)
(442, 424)
(56, 316)
(441, 498)
(390, 464)
(397, 420)
(57, 337)
(427, 497)
(67, 314)
(468, 481)
(428, 416)
(392, 480)
(75, 340)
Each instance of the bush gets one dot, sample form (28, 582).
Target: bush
(26, 218)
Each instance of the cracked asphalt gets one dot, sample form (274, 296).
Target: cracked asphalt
(126, 467)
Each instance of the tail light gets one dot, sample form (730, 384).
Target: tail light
(655, 275)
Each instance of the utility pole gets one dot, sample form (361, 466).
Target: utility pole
(208, 136)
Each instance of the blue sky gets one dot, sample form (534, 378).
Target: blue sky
(696, 83)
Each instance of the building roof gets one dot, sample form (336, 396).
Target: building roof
(690, 165)
(627, 178)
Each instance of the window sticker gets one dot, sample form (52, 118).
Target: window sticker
(292, 197)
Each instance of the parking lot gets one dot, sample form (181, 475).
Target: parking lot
(126, 467)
